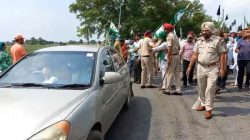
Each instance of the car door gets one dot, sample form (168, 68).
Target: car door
(122, 68)
(108, 91)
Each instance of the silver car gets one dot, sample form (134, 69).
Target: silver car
(63, 93)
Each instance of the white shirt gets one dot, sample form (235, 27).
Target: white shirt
(161, 47)
(138, 44)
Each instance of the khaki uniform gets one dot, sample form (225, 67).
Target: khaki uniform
(146, 62)
(173, 70)
(208, 68)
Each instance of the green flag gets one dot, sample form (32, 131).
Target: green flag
(180, 13)
(113, 33)
(113, 28)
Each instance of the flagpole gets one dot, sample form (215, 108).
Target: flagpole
(244, 22)
(120, 14)
(218, 13)
(222, 19)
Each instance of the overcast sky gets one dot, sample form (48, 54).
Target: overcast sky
(51, 19)
(236, 9)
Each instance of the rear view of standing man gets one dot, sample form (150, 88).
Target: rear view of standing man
(17, 50)
(210, 54)
(173, 60)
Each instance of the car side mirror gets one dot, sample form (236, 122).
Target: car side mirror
(112, 77)
(101, 75)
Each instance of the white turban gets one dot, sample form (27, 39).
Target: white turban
(208, 26)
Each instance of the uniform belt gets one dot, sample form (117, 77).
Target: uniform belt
(145, 56)
(175, 54)
(208, 65)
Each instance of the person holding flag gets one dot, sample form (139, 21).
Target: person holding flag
(161, 48)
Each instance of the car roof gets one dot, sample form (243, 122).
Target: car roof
(83, 48)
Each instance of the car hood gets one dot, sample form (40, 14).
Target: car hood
(24, 112)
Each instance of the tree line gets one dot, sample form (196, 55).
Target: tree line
(136, 15)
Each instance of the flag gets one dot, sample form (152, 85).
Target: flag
(234, 22)
(226, 17)
(113, 28)
(240, 27)
(131, 32)
(218, 11)
(230, 28)
(113, 33)
(180, 13)
(158, 30)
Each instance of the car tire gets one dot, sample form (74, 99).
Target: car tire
(95, 135)
(128, 99)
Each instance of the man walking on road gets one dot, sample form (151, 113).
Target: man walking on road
(243, 50)
(173, 60)
(210, 54)
(17, 50)
(186, 53)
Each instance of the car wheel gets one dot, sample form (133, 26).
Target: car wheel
(128, 99)
(95, 135)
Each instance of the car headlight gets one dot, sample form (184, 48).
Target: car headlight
(58, 131)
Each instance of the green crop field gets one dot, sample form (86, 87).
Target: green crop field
(31, 48)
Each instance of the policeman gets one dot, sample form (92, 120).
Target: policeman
(146, 60)
(173, 60)
(210, 54)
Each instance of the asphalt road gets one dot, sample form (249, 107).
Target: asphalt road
(154, 116)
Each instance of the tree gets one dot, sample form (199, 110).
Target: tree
(40, 41)
(81, 41)
(92, 42)
(138, 15)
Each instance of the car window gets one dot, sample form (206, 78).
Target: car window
(106, 64)
(118, 62)
(57, 68)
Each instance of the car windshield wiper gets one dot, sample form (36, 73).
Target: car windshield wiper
(75, 86)
(29, 85)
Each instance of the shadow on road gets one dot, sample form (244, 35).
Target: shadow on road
(238, 99)
(133, 124)
(232, 111)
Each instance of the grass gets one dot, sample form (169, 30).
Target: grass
(32, 48)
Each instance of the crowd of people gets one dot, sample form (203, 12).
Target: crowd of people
(212, 55)
(17, 51)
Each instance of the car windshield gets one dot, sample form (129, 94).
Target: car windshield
(63, 69)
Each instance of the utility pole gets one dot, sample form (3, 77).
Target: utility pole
(120, 14)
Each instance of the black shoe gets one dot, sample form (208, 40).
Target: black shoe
(218, 90)
(151, 86)
(177, 93)
(165, 92)
(143, 86)
(185, 86)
